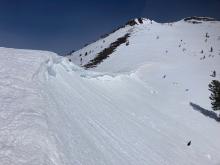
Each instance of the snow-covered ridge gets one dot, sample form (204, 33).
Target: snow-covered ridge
(105, 41)
(141, 105)
(131, 22)
(181, 37)
(24, 131)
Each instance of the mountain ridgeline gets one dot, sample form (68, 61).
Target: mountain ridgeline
(156, 34)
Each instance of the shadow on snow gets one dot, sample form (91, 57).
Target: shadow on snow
(205, 112)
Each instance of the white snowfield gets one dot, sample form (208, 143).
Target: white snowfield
(132, 109)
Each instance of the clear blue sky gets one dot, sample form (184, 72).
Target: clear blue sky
(64, 25)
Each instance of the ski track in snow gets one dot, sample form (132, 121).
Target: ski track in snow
(54, 112)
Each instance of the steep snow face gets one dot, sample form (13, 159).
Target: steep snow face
(132, 108)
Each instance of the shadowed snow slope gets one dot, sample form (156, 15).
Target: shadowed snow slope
(133, 108)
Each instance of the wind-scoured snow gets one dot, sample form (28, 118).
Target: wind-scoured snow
(135, 107)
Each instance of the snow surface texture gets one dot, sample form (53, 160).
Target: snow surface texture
(133, 108)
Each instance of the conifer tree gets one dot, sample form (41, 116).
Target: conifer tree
(214, 87)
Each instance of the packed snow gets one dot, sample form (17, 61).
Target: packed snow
(135, 107)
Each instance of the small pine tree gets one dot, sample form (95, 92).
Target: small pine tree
(214, 87)
(207, 35)
(213, 74)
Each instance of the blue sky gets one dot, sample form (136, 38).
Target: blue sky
(64, 25)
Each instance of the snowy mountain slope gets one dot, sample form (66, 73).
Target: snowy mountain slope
(152, 41)
(132, 108)
(184, 52)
